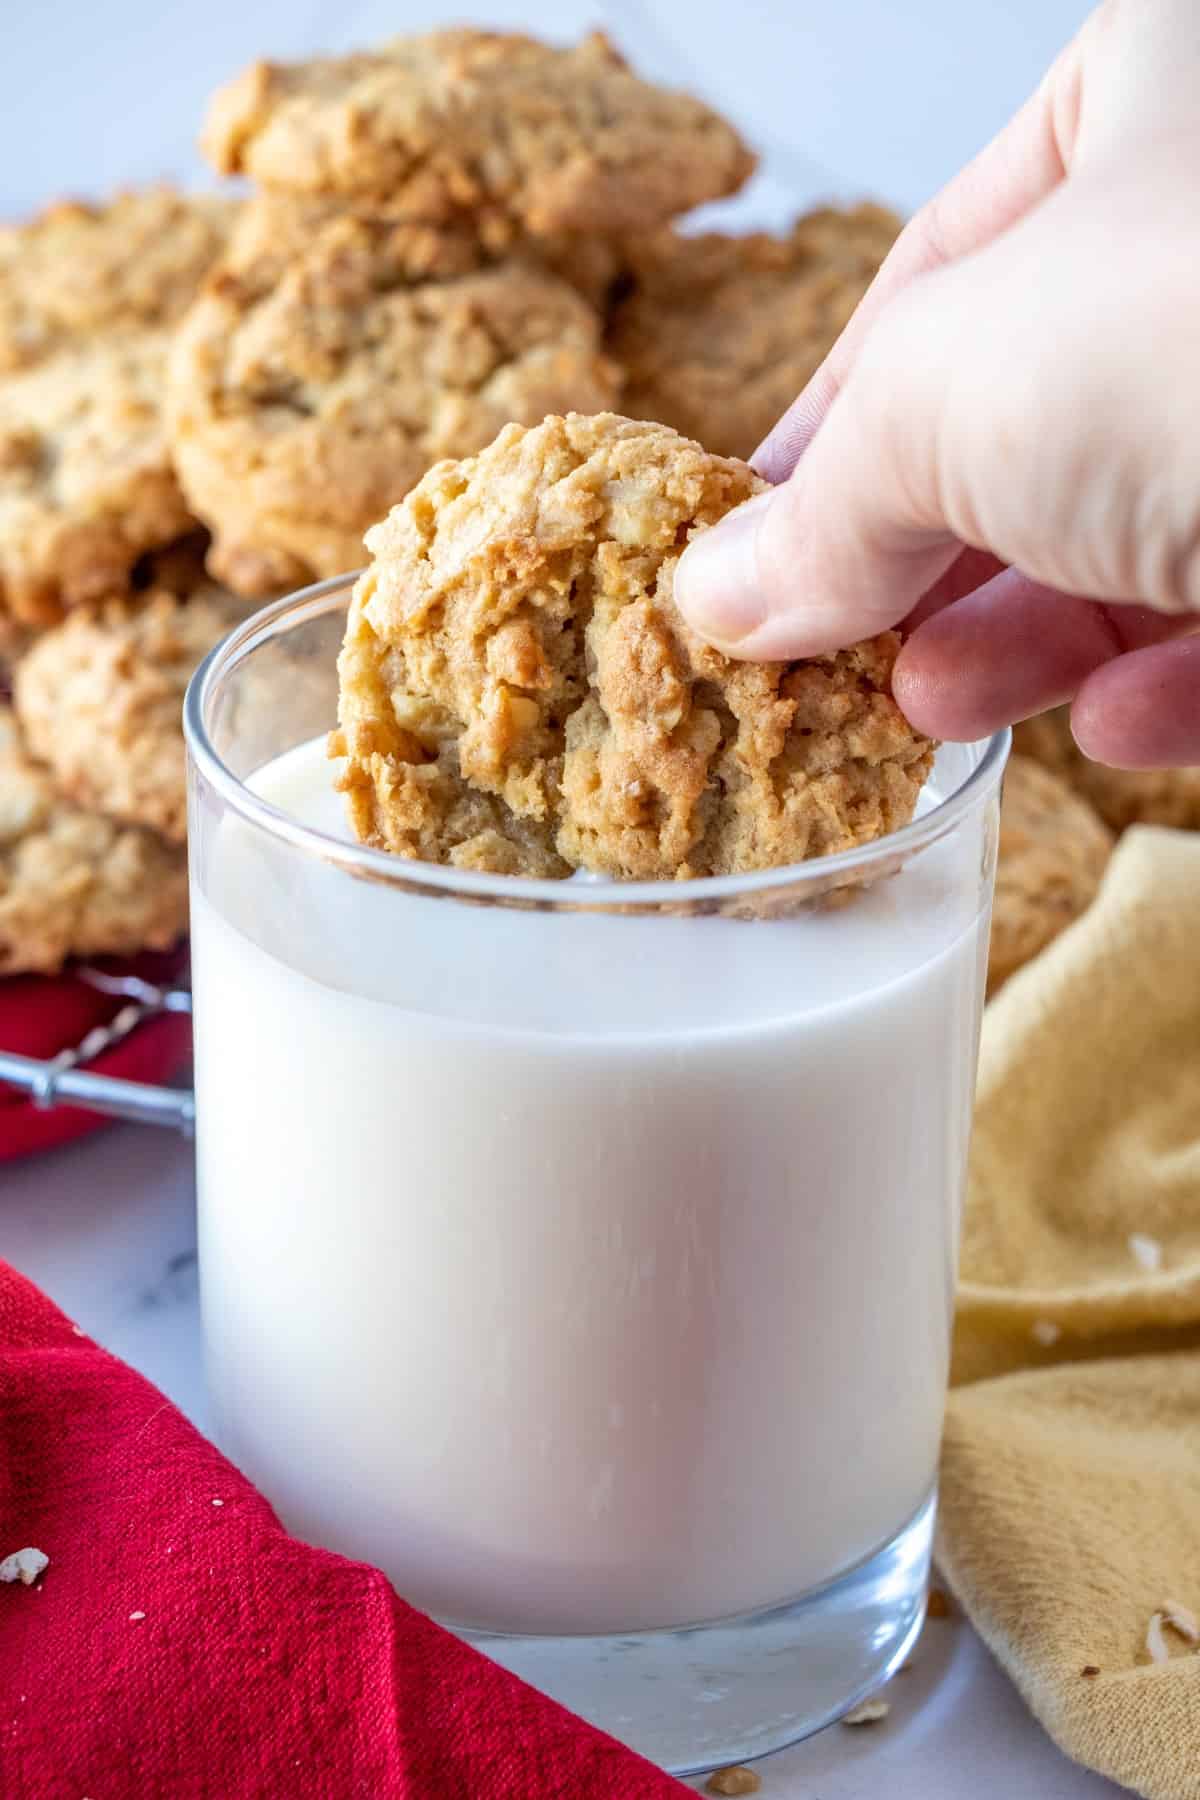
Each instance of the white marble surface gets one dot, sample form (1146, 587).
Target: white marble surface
(862, 96)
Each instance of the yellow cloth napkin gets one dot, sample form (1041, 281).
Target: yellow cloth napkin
(1071, 1465)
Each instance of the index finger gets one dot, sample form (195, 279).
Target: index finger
(1019, 167)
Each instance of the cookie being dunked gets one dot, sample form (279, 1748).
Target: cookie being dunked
(519, 691)
(719, 334)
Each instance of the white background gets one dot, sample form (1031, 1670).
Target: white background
(843, 97)
(885, 96)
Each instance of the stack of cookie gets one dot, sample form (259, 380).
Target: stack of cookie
(459, 231)
(102, 576)
(452, 232)
(427, 257)
(88, 297)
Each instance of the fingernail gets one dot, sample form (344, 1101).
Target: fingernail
(717, 585)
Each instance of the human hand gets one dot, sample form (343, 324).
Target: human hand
(1003, 449)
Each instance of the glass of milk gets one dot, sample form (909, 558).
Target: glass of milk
(582, 1254)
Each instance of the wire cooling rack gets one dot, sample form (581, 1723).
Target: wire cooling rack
(67, 1080)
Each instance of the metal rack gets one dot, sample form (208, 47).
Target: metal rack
(66, 1079)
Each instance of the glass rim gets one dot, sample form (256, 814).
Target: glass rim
(599, 894)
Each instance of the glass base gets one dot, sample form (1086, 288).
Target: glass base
(700, 1698)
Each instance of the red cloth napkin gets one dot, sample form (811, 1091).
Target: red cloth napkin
(181, 1648)
(43, 1014)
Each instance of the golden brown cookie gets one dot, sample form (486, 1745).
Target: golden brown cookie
(100, 702)
(1122, 797)
(88, 295)
(516, 637)
(79, 270)
(480, 122)
(15, 639)
(73, 883)
(276, 228)
(309, 388)
(86, 481)
(1053, 853)
(718, 335)
(179, 566)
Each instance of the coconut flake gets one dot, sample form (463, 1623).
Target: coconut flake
(1146, 1251)
(1182, 1620)
(869, 1713)
(1156, 1643)
(24, 1566)
(1045, 1332)
(736, 1779)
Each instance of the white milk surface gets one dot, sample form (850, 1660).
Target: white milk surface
(586, 1273)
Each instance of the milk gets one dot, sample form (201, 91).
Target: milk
(586, 1273)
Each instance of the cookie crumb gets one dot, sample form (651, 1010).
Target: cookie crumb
(869, 1713)
(736, 1780)
(1045, 1332)
(1089, 1670)
(1146, 1251)
(1156, 1643)
(24, 1566)
(938, 1605)
(1181, 1619)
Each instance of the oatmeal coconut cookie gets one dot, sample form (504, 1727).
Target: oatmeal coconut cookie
(86, 481)
(519, 692)
(718, 335)
(73, 883)
(78, 270)
(276, 228)
(467, 121)
(1122, 797)
(312, 384)
(1053, 853)
(100, 698)
(88, 295)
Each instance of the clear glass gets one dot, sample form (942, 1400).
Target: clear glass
(583, 1253)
